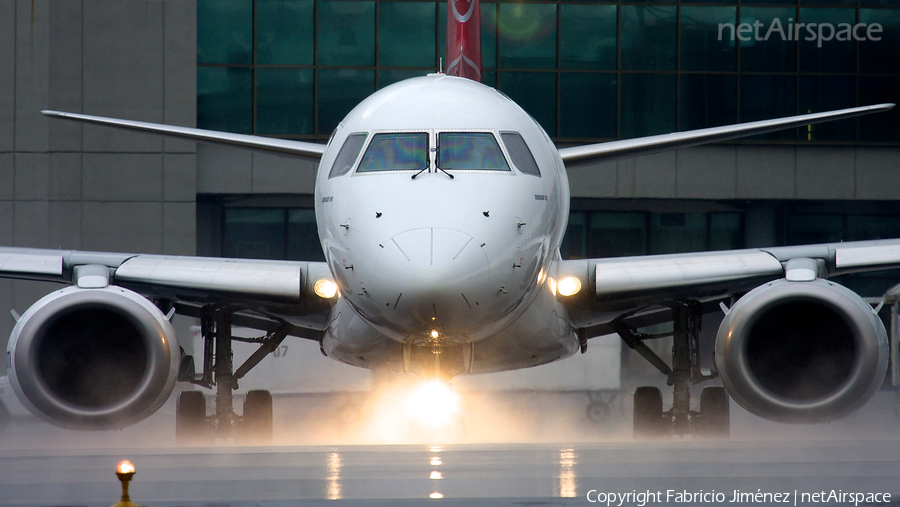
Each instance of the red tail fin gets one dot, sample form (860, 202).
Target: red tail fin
(464, 39)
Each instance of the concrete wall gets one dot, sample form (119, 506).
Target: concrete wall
(222, 170)
(748, 172)
(63, 185)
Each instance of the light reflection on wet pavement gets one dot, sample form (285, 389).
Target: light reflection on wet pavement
(470, 474)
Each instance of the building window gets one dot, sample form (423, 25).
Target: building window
(598, 234)
(588, 71)
(271, 233)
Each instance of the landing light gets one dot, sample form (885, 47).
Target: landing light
(569, 286)
(434, 403)
(325, 289)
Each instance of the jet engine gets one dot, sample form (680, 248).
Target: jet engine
(809, 351)
(93, 359)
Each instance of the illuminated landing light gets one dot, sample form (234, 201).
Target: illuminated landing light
(435, 475)
(325, 289)
(434, 333)
(434, 403)
(435, 461)
(436, 448)
(569, 286)
(436, 496)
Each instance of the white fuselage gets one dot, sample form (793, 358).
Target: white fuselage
(433, 260)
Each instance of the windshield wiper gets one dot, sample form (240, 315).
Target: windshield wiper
(420, 172)
(439, 168)
(437, 157)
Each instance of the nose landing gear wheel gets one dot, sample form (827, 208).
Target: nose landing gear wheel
(648, 420)
(597, 412)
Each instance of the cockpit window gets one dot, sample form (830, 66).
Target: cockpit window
(519, 153)
(396, 152)
(470, 151)
(347, 156)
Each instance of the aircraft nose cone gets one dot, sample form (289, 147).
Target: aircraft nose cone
(432, 274)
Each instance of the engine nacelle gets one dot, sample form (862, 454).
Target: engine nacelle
(93, 358)
(802, 351)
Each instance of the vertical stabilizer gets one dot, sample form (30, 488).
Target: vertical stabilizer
(464, 39)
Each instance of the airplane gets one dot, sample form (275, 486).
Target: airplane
(441, 206)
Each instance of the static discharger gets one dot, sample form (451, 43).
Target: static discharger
(125, 472)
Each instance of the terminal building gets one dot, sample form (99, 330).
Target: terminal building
(588, 71)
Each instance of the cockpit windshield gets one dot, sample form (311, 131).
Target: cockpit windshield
(401, 151)
(470, 151)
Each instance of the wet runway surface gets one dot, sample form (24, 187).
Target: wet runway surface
(45, 466)
(467, 474)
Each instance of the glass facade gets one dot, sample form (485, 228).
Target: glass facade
(291, 233)
(593, 234)
(271, 233)
(586, 70)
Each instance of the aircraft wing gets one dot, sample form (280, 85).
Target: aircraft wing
(269, 291)
(629, 285)
(604, 152)
(300, 149)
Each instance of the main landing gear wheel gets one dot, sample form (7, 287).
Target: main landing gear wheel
(4, 416)
(191, 426)
(715, 419)
(257, 420)
(648, 420)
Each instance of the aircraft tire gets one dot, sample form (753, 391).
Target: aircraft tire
(648, 423)
(5, 416)
(715, 417)
(257, 422)
(191, 427)
(597, 412)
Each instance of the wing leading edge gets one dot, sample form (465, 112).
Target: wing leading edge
(604, 152)
(178, 278)
(312, 151)
(625, 284)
